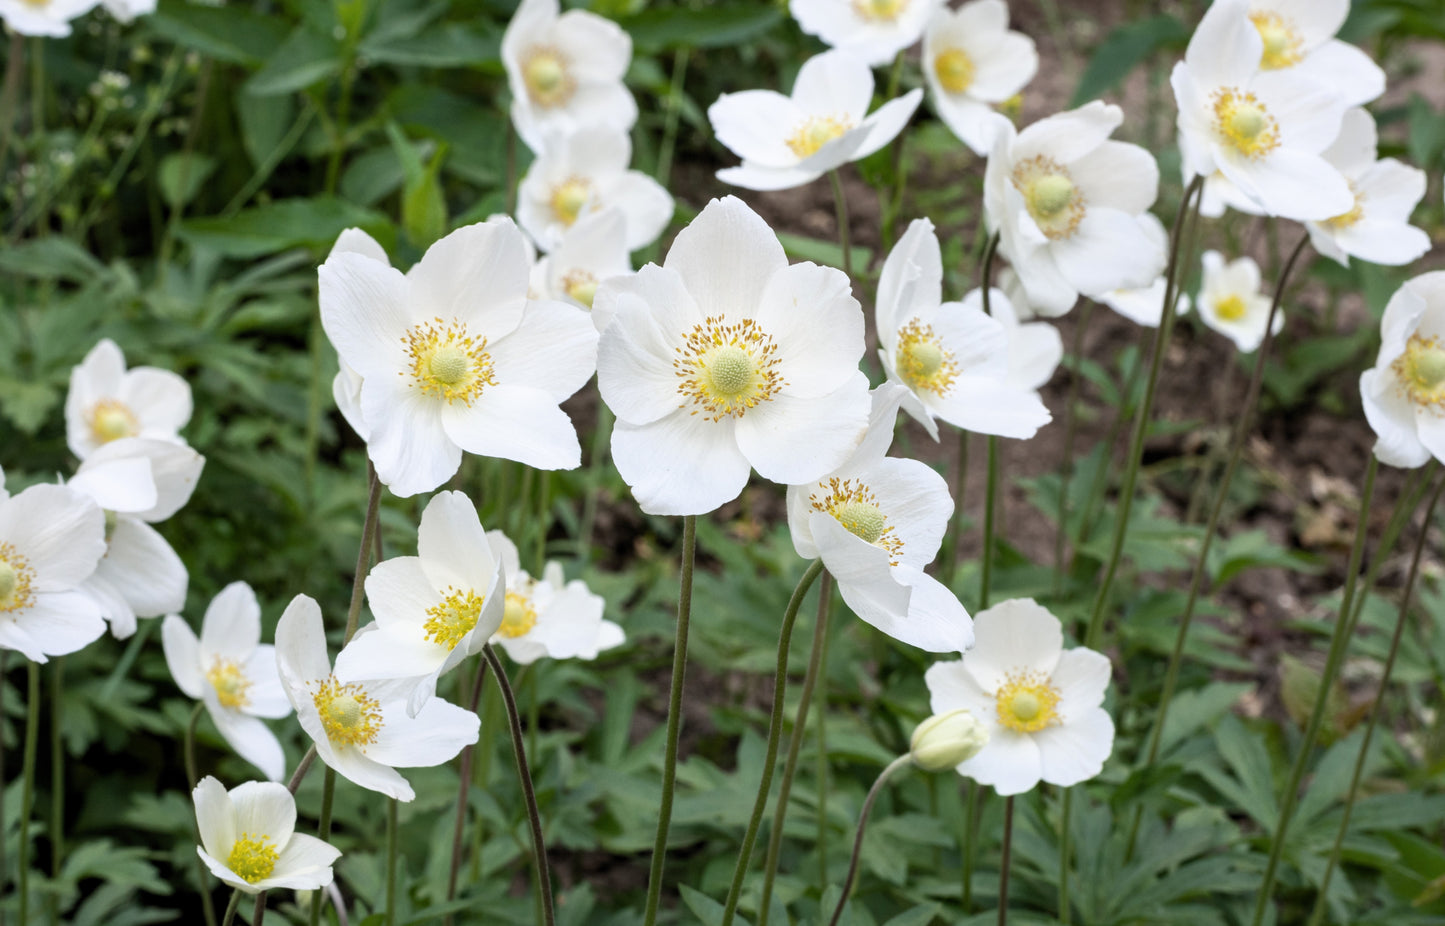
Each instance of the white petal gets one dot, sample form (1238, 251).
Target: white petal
(1117, 175)
(301, 658)
(795, 440)
(356, 768)
(680, 464)
(476, 274)
(160, 399)
(452, 544)
(304, 864)
(231, 628)
(865, 578)
(1075, 751)
(409, 444)
(887, 121)
(553, 350)
(436, 735)
(1010, 763)
(816, 325)
(183, 655)
(753, 125)
(725, 257)
(215, 817)
(1109, 250)
(264, 808)
(1013, 637)
(59, 531)
(1068, 136)
(143, 569)
(252, 739)
(516, 423)
(363, 309)
(652, 312)
(834, 83)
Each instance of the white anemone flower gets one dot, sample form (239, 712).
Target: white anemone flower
(973, 62)
(1299, 36)
(875, 31)
(51, 539)
(1263, 130)
(1231, 303)
(876, 521)
(363, 730)
(727, 359)
(584, 172)
(453, 356)
(1145, 305)
(43, 17)
(432, 610)
(787, 141)
(1069, 207)
(1404, 395)
(1378, 228)
(1034, 347)
(107, 402)
(249, 838)
(565, 72)
(346, 386)
(233, 673)
(138, 482)
(549, 616)
(593, 250)
(952, 358)
(1041, 704)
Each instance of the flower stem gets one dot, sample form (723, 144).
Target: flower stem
(464, 776)
(323, 832)
(1071, 430)
(1338, 645)
(258, 912)
(57, 771)
(775, 732)
(391, 840)
(883, 777)
(519, 748)
(840, 205)
(820, 774)
(1006, 859)
(302, 768)
(363, 552)
(990, 497)
(672, 114)
(1065, 908)
(511, 176)
(32, 734)
(231, 908)
(960, 482)
(795, 747)
(970, 830)
(14, 64)
(188, 751)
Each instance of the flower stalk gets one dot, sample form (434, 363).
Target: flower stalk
(840, 205)
(873, 792)
(27, 800)
(464, 776)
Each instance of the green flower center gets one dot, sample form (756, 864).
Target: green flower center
(1049, 195)
(862, 519)
(449, 364)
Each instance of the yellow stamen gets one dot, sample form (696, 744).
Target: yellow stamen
(1345, 219)
(1283, 45)
(815, 132)
(1231, 308)
(1056, 205)
(568, 198)
(111, 419)
(954, 69)
(16, 580)
(545, 73)
(454, 617)
(880, 10)
(1243, 123)
(448, 362)
(518, 617)
(1420, 371)
(350, 716)
(922, 360)
(727, 369)
(581, 286)
(252, 857)
(231, 684)
(855, 507)
(1026, 702)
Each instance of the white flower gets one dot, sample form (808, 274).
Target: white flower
(346, 386)
(1042, 704)
(452, 357)
(583, 172)
(726, 359)
(1378, 228)
(432, 610)
(565, 72)
(249, 838)
(876, 521)
(362, 729)
(233, 673)
(789, 141)
(1231, 303)
(1404, 395)
(51, 538)
(1034, 347)
(944, 740)
(1299, 36)
(43, 17)
(128, 10)
(1264, 130)
(549, 616)
(593, 250)
(973, 62)
(138, 482)
(106, 402)
(1145, 305)
(872, 30)
(953, 359)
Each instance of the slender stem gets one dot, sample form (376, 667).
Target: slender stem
(795, 747)
(775, 732)
(4, 859)
(990, 497)
(343, 120)
(1338, 645)
(960, 483)
(464, 776)
(1189, 205)
(57, 769)
(14, 64)
(1071, 430)
(391, 841)
(127, 659)
(231, 908)
(852, 875)
(511, 177)
(970, 827)
(1006, 859)
(672, 114)
(1318, 914)
(323, 832)
(32, 735)
(596, 475)
(188, 751)
(840, 205)
(519, 748)
(1101, 473)
(258, 912)
(1066, 911)
(820, 773)
(302, 768)
(363, 553)
(1407, 504)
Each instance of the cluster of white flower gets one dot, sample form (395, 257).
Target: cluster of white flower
(53, 17)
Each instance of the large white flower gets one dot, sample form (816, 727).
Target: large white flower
(1404, 395)
(1069, 207)
(565, 72)
(787, 141)
(249, 838)
(726, 359)
(1264, 130)
(362, 729)
(973, 62)
(106, 402)
(51, 539)
(549, 616)
(873, 30)
(432, 610)
(452, 356)
(593, 250)
(1042, 704)
(233, 673)
(43, 17)
(953, 358)
(1034, 347)
(1145, 305)
(138, 482)
(584, 172)
(876, 521)
(1230, 301)
(1299, 37)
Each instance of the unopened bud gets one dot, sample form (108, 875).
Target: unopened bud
(944, 740)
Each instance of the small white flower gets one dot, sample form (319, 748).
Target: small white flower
(1404, 395)
(1231, 303)
(873, 30)
(106, 402)
(128, 10)
(549, 616)
(43, 17)
(1041, 704)
(233, 673)
(249, 838)
(593, 250)
(1299, 37)
(432, 610)
(973, 62)
(787, 141)
(1145, 305)
(362, 729)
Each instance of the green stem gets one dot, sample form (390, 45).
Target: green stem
(1071, 430)
(960, 483)
(343, 120)
(258, 912)
(840, 206)
(127, 659)
(1005, 860)
(14, 64)
(264, 170)
(1066, 911)
(188, 753)
(511, 176)
(775, 732)
(363, 553)
(231, 908)
(32, 736)
(672, 114)
(970, 827)
(302, 768)
(464, 777)
(323, 832)
(57, 769)
(391, 841)
(820, 773)
(990, 497)
(873, 792)
(1405, 506)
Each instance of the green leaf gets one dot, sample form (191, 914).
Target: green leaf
(263, 121)
(423, 207)
(233, 33)
(52, 258)
(444, 45)
(27, 405)
(181, 175)
(708, 911)
(710, 26)
(1124, 48)
(287, 223)
(921, 915)
(1427, 132)
(305, 58)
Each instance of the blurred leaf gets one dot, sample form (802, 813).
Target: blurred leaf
(1427, 132)
(423, 207)
(279, 225)
(444, 45)
(305, 58)
(1122, 50)
(712, 26)
(233, 33)
(1299, 689)
(181, 174)
(51, 258)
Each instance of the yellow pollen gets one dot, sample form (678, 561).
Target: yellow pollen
(545, 74)
(727, 369)
(922, 361)
(1231, 308)
(111, 419)
(855, 507)
(1026, 702)
(252, 857)
(1244, 124)
(348, 714)
(815, 132)
(453, 617)
(1283, 46)
(581, 286)
(231, 684)
(448, 362)
(518, 617)
(880, 10)
(1420, 371)
(1345, 219)
(16, 580)
(1052, 199)
(954, 69)
(568, 198)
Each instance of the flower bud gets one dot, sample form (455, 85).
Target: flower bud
(944, 740)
